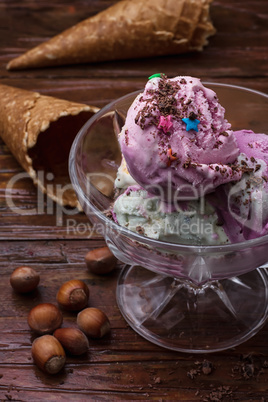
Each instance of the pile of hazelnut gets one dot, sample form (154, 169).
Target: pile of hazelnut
(45, 319)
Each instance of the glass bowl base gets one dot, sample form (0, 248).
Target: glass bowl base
(178, 315)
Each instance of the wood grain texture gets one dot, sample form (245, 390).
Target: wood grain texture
(123, 365)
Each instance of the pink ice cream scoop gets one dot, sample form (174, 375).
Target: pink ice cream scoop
(176, 138)
(243, 206)
(249, 198)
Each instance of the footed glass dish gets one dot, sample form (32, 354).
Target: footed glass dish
(187, 298)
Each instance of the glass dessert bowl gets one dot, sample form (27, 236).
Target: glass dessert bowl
(189, 298)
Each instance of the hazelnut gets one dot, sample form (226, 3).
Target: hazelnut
(73, 295)
(48, 354)
(73, 340)
(100, 261)
(93, 322)
(24, 279)
(44, 318)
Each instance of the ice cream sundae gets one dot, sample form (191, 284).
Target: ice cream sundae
(185, 175)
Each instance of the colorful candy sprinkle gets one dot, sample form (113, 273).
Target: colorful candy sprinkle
(155, 76)
(171, 157)
(191, 124)
(165, 123)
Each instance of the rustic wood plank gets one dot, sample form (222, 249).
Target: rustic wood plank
(122, 366)
(118, 362)
(241, 30)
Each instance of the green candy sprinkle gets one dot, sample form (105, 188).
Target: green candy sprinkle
(155, 75)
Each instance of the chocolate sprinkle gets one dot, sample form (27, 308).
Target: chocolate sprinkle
(162, 99)
(140, 230)
(192, 115)
(126, 137)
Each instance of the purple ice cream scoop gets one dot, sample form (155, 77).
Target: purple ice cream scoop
(177, 140)
(243, 206)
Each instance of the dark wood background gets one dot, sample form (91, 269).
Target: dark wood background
(122, 366)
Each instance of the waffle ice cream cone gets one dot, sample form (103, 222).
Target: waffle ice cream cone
(128, 29)
(39, 131)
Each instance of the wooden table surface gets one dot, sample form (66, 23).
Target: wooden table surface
(122, 366)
